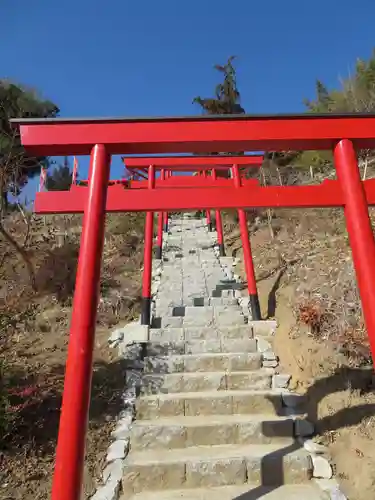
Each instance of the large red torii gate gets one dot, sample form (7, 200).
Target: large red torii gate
(104, 137)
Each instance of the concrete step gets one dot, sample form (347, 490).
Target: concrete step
(224, 345)
(209, 466)
(209, 403)
(188, 333)
(152, 383)
(205, 362)
(182, 432)
(240, 492)
(229, 318)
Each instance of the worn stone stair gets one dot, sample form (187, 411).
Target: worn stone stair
(210, 422)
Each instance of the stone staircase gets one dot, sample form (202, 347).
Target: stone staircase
(212, 420)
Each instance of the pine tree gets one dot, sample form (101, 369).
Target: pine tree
(61, 178)
(227, 95)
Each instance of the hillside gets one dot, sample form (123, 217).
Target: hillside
(33, 343)
(306, 281)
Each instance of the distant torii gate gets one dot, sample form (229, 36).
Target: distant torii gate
(104, 137)
(202, 165)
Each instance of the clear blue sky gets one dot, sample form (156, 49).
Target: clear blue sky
(150, 58)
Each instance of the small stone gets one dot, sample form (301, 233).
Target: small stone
(113, 471)
(122, 428)
(244, 301)
(116, 337)
(280, 381)
(110, 491)
(263, 345)
(304, 428)
(270, 364)
(269, 355)
(316, 448)
(331, 487)
(321, 467)
(118, 450)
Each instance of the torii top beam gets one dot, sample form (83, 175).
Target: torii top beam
(193, 163)
(196, 134)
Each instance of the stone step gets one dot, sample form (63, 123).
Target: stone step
(205, 362)
(238, 492)
(224, 345)
(225, 301)
(182, 432)
(228, 318)
(209, 466)
(188, 333)
(210, 403)
(152, 383)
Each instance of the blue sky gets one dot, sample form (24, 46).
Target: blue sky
(147, 58)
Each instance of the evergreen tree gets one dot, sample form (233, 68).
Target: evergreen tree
(16, 166)
(227, 95)
(60, 179)
(226, 101)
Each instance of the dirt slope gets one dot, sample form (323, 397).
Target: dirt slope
(33, 345)
(306, 280)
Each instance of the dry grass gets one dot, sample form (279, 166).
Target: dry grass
(306, 280)
(33, 345)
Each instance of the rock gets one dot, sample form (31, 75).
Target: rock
(113, 471)
(304, 427)
(270, 364)
(133, 333)
(315, 448)
(110, 491)
(321, 467)
(269, 355)
(116, 337)
(244, 301)
(332, 488)
(263, 345)
(122, 428)
(118, 450)
(280, 381)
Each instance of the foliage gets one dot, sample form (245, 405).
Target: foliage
(356, 93)
(227, 95)
(60, 179)
(226, 101)
(16, 166)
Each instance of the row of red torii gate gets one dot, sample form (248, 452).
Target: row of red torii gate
(161, 191)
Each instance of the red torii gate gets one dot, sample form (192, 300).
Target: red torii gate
(199, 164)
(202, 165)
(104, 137)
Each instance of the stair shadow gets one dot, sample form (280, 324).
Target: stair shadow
(341, 379)
(272, 303)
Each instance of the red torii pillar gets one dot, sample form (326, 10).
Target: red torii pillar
(208, 212)
(147, 257)
(159, 247)
(247, 255)
(167, 175)
(359, 229)
(219, 225)
(70, 452)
